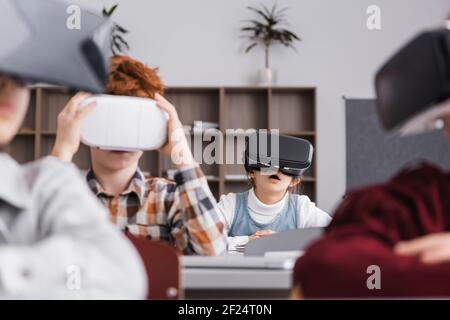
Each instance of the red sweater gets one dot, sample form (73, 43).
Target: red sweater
(363, 232)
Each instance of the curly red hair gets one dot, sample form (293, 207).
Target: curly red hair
(129, 77)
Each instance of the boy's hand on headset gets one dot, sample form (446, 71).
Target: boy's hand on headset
(177, 146)
(69, 127)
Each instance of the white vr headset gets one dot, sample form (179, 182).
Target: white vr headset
(124, 124)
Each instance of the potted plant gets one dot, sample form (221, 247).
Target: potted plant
(118, 44)
(267, 31)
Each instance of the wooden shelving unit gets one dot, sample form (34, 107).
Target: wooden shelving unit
(290, 109)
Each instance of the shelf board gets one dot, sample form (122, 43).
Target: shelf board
(299, 133)
(243, 178)
(263, 87)
(246, 132)
(236, 178)
(48, 133)
(49, 87)
(289, 133)
(198, 132)
(209, 178)
(26, 132)
(289, 89)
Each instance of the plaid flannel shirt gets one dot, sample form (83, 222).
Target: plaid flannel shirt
(183, 213)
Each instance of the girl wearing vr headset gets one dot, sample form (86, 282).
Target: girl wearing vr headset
(271, 204)
(182, 213)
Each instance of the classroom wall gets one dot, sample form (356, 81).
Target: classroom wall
(197, 43)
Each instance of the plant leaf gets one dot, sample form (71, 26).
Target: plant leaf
(250, 47)
(121, 29)
(265, 31)
(280, 13)
(119, 38)
(113, 8)
(273, 11)
(248, 29)
(261, 13)
(291, 34)
(117, 45)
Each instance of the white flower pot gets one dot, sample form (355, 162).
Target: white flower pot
(267, 77)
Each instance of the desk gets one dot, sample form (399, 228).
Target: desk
(201, 280)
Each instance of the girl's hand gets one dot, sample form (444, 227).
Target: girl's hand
(177, 146)
(431, 249)
(261, 233)
(296, 293)
(69, 126)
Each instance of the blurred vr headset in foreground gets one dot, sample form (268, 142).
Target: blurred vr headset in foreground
(40, 45)
(413, 87)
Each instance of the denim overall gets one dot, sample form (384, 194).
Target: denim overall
(244, 225)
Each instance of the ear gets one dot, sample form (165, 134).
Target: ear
(295, 181)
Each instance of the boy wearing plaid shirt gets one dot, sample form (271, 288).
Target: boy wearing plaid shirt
(183, 213)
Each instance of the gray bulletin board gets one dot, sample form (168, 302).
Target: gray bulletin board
(374, 155)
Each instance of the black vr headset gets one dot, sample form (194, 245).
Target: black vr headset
(291, 155)
(39, 45)
(413, 87)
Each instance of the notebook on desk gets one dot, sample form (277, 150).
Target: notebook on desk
(292, 240)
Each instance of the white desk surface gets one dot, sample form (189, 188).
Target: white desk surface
(236, 272)
(206, 278)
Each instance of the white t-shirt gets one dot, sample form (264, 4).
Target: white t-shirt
(308, 214)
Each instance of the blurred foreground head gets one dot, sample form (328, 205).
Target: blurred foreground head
(43, 47)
